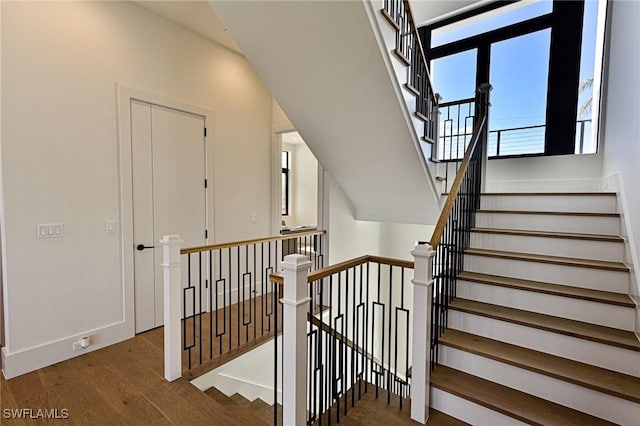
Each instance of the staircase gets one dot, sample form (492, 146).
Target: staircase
(541, 329)
(256, 412)
(327, 65)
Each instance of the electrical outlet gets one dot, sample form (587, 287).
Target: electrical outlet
(111, 226)
(81, 344)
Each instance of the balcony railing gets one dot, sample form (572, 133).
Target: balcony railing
(456, 127)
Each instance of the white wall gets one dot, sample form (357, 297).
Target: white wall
(621, 109)
(60, 161)
(546, 174)
(399, 239)
(348, 237)
(281, 122)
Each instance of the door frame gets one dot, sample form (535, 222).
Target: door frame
(124, 95)
(276, 190)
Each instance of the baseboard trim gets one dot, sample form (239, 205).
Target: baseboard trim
(613, 182)
(27, 360)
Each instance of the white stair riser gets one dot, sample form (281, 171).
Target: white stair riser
(387, 31)
(553, 223)
(581, 249)
(468, 411)
(565, 307)
(551, 203)
(427, 152)
(581, 350)
(596, 279)
(580, 398)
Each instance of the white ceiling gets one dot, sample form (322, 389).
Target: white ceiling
(196, 16)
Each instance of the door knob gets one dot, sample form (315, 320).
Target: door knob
(141, 247)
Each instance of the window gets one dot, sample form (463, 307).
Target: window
(285, 182)
(542, 59)
(478, 24)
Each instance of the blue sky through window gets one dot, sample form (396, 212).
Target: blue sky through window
(519, 66)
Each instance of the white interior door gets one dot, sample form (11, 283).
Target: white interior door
(169, 196)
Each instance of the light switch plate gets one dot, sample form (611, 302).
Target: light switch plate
(49, 230)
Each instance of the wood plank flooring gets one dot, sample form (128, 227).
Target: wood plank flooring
(239, 328)
(123, 384)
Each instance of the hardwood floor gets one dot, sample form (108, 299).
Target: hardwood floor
(240, 328)
(123, 384)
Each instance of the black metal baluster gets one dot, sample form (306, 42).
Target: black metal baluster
(229, 255)
(199, 305)
(210, 285)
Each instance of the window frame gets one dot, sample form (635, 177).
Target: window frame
(286, 179)
(565, 21)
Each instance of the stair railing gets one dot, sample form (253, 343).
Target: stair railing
(346, 332)
(409, 49)
(219, 301)
(452, 233)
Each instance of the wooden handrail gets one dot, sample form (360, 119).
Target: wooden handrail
(457, 183)
(343, 266)
(416, 34)
(247, 242)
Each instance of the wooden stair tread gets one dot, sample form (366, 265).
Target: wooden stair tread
(369, 409)
(241, 409)
(599, 296)
(583, 330)
(547, 234)
(401, 56)
(549, 213)
(411, 89)
(390, 20)
(218, 395)
(610, 382)
(556, 260)
(510, 402)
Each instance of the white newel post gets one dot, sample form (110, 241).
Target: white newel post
(294, 339)
(422, 297)
(172, 287)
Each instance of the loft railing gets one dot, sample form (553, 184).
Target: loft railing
(355, 325)
(451, 235)
(219, 301)
(409, 49)
(456, 125)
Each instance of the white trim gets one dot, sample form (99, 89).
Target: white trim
(4, 307)
(613, 182)
(276, 187)
(124, 95)
(31, 359)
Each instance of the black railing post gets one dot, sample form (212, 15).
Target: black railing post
(483, 111)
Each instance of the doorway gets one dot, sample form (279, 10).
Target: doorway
(299, 185)
(169, 194)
